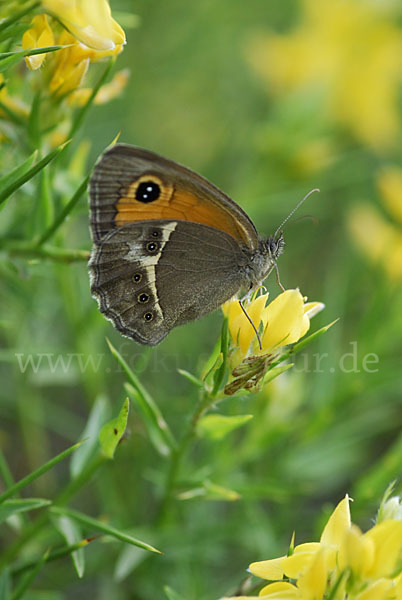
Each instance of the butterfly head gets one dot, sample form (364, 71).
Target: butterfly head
(274, 246)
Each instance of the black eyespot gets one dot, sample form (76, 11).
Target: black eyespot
(155, 234)
(148, 316)
(143, 297)
(137, 277)
(152, 247)
(148, 191)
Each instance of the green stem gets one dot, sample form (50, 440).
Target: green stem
(64, 213)
(32, 250)
(70, 490)
(18, 15)
(205, 402)
(60, 553)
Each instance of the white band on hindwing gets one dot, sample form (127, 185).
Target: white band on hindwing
(149, 262)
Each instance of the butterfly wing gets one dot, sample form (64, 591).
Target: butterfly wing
(118, 195)
(169, 246)
(150, 276)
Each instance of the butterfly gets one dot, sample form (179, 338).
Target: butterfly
(168, 245)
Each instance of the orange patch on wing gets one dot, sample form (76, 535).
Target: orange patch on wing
(178, 205)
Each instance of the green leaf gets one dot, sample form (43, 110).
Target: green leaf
(31, 250)
(212, 368)
(100, 526)
(273, 373)
(82, 457)
(9, 59)
(5, 585)
(17, 16)
(26, 582)
(37, 473)
(304, 342)
(71, 532)
(158, 429)
(217, 492)
(17, 182)
(18, 172)
(111, 433)
(129, 559)
(55, 555)
(216, 427)
(15, 31)
(211, 491)
(82, 112)
(171, 594)
(152, 419)
(11, 507)
(220, 373)
(191, 378)
(34, 121)
(59, 220)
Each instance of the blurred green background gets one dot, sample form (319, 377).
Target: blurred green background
(268, 100)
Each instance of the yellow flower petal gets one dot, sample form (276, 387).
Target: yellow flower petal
(90, 21)
(397, 587)
(240, 329)
(337, 526)
(39, 35)
(286, 321)
(107, 92)
(356, 552)
(313, 308)
(68, 76)
(244, 598)
(387, 539)
(268, 569)
(294, 565)
(378, 590)
(282, 590)
(313, 581)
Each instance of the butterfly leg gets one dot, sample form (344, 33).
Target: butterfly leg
(278, 280)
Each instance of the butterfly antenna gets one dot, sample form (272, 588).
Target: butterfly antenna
(298, 205)
(252, 324)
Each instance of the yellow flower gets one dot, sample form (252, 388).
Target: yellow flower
(15, 104)
(287, 319)
(378, 238)
(345, 565)
(39, 35)
(296, 564)
(90, 22)
(284, 321)
(71, 65)
(390, 186)
(107, 92)
(347, 56)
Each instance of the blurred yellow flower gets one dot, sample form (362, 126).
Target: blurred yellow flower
(39, 35)
(390, 186)
(378, 238)
(346, 55)
(107, 92)
(89, 21)
(14, 104)
(345, 565)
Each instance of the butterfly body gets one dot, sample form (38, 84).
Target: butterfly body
(168, 246)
